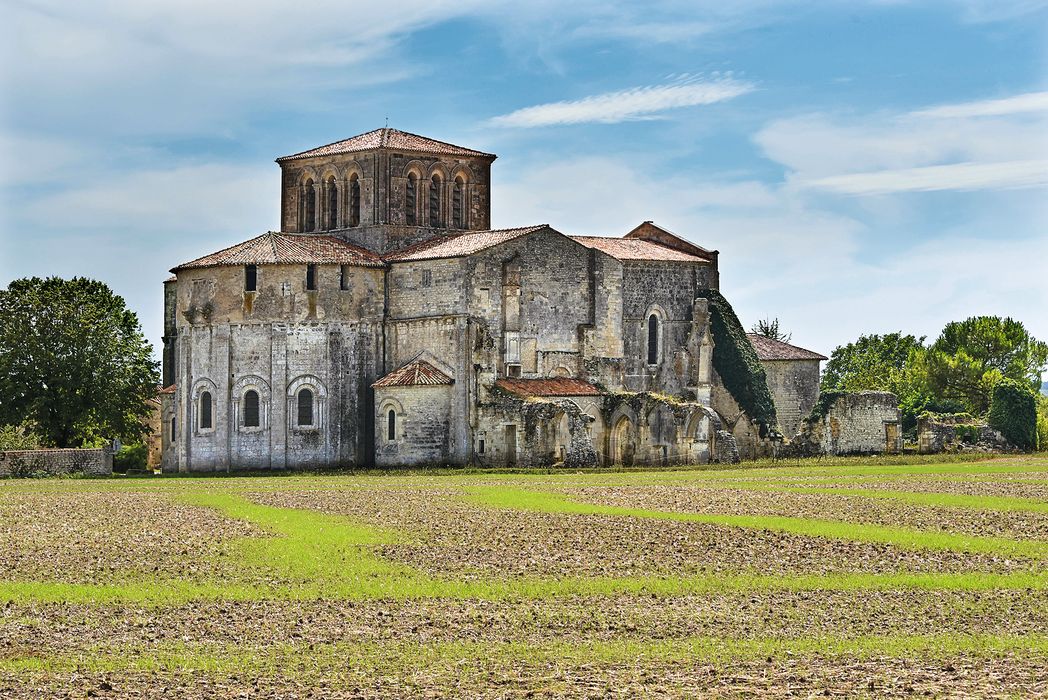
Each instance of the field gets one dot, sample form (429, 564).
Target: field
(850, 578)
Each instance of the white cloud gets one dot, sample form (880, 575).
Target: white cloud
(956, 176)
(1017, 104)
(632, 103)
(994, 144)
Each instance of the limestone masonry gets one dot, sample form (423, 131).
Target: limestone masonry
(386, 324)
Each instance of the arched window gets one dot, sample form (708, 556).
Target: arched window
(309, 206)
(411, 200)
(205, 422)
(434, 202)
(653, 339)
(331, 195)
(354, 200)
(391, 425)
(458, 194)
(251, 413)
(305, 408)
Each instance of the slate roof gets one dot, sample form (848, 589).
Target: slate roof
(768, 349)
(388, 138)
(415, 373)
(553, 386)
(460, 244)
(288, 248)
(637, 249)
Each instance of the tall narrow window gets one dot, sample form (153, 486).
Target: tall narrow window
(653, 339)
(344, 278)
(205, 410)
(411, 200)
(434, 202)
(172, 430)
(458, 217)
(250, 278)
(354, 200)
(309, 206)
(305, 408)
(391, 425)
(251, 409)
(331, 202)
(311, 277)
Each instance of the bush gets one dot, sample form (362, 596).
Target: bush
(1013, 412)
(130, 457)
(18, 437)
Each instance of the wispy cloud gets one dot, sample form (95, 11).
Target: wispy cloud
(1017, 104)
(623, 105)
(955, 176)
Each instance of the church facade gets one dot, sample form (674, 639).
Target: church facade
(387, 324)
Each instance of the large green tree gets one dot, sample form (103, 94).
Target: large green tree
(872, 363)
(73, 361)
(972, 356)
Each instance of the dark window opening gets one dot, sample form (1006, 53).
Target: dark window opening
(251, 409)
(457, 209)
(427, 278)
(331, 190)
(311, 277)
(172, 430)
(391, 425)
(480, 447)
(512, 370)
(205, 410)
(354, 200)
(305, 407)
(411, 200)
(309, 206)
(343, 278)
(653, 339)
(250, 278)
(434, 202)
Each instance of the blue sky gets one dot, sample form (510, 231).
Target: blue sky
(862, 166)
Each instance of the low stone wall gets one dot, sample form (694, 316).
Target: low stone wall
(92, 462)
(958, 433)
(866, 422)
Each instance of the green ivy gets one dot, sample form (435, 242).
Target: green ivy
(737, 363)
(1013, 411)
(823, 404)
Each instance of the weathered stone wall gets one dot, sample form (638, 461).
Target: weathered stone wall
(422, 429)
(748, 441)
(958, 433)
(427, 288)
(866, 422)
(794, 387)
(92, 462)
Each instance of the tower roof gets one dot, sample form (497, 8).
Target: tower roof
(768, 349)
(288, 248)
(388, 138)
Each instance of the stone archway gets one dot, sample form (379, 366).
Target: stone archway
(624, 442)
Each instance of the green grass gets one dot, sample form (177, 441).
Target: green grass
(311, 555)
(905, 538)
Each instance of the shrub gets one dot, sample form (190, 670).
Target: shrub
(1013, 411)
(18, 437)
(130, 457)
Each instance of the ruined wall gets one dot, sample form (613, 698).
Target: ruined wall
(90, 462)
(794, 387)
(866, 422)
(748, 442)
(958, 433)
(422, 428)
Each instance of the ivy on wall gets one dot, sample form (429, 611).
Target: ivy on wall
(737, 363)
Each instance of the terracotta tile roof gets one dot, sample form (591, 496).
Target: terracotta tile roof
(170, 389)
(288, 248)
(768, 349)
(415, 373)
(387, 138)
(637, 249)
(458, 245)
(554, 386)
(172, 278)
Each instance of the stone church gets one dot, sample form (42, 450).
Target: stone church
(387, 324)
